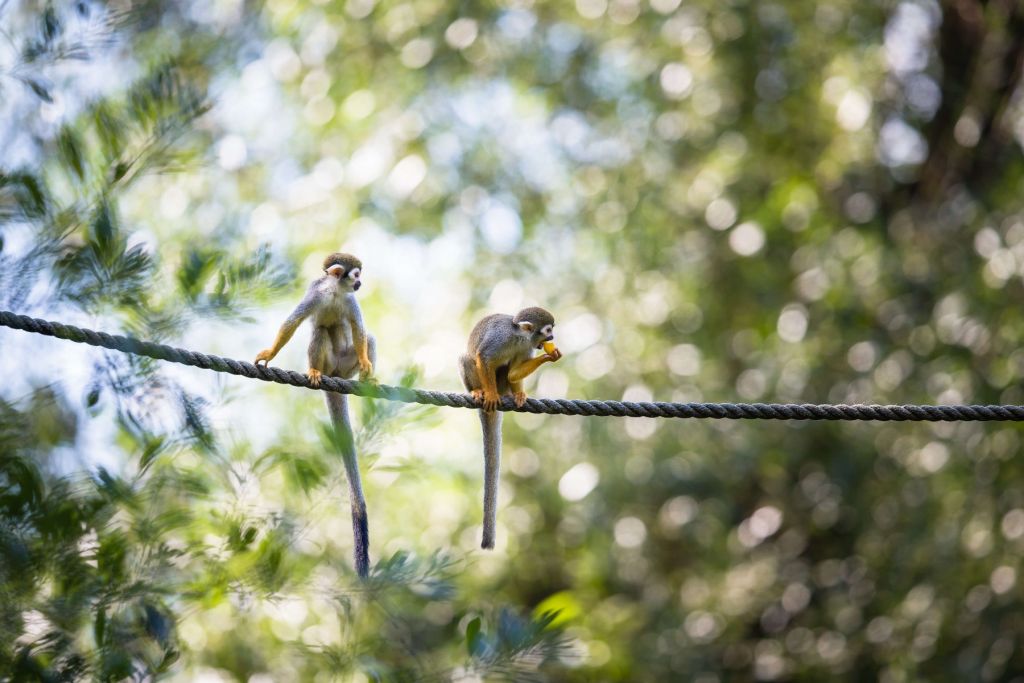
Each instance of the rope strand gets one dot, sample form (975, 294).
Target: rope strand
(549, 406)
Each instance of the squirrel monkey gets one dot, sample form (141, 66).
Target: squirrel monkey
(499, 356)
(339, 347)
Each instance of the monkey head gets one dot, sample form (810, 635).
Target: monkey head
(537, 323)
(346, 267)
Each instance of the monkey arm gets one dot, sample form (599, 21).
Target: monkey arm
(284, 335)
(487, 374)
(355, 320)
(289, 326)
(520, 372)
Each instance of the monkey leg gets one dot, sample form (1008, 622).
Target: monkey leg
(346, 362)
(467, 372)
(470, 379)
(346, 359)
(489, 383)
(518, 394)
(320, 354)
(337, 406)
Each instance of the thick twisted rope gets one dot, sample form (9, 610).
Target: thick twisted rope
(550, 406)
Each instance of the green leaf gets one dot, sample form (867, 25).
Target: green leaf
(158, 625)
(472, 637)
(154, 446)
(71, 152)
(562, 606)
(172, 655)
(111, 556)
(102, 232)
(196, 266)
(100, 626)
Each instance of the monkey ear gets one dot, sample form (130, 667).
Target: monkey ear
(526, 326)
(334, 270)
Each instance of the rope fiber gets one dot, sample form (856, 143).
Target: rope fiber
(550, 406)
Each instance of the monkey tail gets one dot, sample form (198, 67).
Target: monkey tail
(337, 405)
(491, 424)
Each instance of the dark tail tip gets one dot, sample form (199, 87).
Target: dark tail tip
(361, 542)
(488, 542)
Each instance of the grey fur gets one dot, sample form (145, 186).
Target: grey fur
(338, 331)
(490, 422)
(347, 365)
(499, 340)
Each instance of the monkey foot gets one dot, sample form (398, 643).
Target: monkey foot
(520, 398)
(490, 402)
(314, 377)
(487, 402)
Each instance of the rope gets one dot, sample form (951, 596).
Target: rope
(550, 406)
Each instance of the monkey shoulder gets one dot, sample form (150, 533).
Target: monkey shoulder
(500, 338)
(481, 333)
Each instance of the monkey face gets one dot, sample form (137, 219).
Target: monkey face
(538, 323)
(348, 280)
(544, 334)
(346, 268)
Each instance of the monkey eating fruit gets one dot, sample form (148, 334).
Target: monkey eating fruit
(499, 356)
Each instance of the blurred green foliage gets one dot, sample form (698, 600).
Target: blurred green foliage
(754, 201)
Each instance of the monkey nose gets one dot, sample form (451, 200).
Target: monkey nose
(357, 285)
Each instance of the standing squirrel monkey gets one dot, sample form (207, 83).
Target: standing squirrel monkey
(499, 356)
(339, 347)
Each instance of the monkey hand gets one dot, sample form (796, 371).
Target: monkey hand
(520, 398)
(314, 376)
(554, 355)
(265, 356)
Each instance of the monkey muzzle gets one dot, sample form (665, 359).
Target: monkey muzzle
(356, 285)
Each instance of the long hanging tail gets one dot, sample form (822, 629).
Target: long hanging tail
(491, 424)
(337, 405)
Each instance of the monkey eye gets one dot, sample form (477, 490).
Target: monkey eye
(353, 274)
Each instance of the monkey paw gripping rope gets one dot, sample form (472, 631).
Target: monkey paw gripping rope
(729, 411)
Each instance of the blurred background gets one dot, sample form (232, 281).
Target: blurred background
(720, 201)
